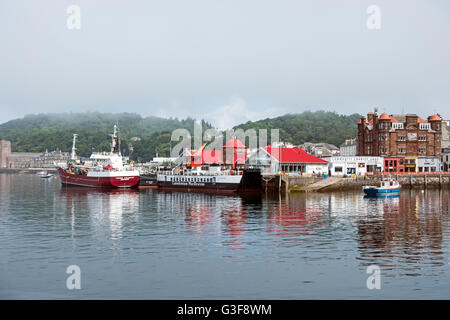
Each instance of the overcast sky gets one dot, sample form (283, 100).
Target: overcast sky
(227, 61)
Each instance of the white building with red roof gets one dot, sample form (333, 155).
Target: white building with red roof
(288, 160)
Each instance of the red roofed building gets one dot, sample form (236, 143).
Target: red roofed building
(233, 153)
(289, 160)
(407, 136)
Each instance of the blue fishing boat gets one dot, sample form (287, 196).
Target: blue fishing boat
(388, 187)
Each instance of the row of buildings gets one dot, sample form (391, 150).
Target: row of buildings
(397, 143)
(385, 143)
(22, 160)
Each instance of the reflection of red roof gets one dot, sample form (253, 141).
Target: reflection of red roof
(292, 155)
(234, 143)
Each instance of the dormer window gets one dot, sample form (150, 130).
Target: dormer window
(397, 125)
(425, 126)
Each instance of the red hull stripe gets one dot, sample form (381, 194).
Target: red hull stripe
(99, 182)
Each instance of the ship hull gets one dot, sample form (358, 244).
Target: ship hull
(105, 181)
(248, 182)
(200, 187)
(380, 192)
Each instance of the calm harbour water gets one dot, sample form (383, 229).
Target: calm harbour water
(152, 244)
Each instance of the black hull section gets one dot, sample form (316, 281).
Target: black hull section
(200, 187)
(251, 181)
(148, 181)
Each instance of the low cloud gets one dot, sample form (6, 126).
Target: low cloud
(235, 112)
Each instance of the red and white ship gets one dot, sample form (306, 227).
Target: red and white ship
(102, 170)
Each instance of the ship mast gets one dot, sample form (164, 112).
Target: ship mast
(73, 146)
(115, 144)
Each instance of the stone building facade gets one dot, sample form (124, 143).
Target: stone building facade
(5, 151)
(22, 160)
(349, 148)
(445, 134)
(399, 135)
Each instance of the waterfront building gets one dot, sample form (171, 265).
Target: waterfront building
(445, 134)
(407, 136)
(394, 164)
(428, 164)
(18, 160)
(5, 151)
(349, 148)
(320, 150)
(273, 160)
(445, 160)
(233, 153)
(356, 165)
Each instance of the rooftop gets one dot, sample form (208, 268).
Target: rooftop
(292, 155)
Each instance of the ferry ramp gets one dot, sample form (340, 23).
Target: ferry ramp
(317, 186)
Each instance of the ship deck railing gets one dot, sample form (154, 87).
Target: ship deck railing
(194, 174)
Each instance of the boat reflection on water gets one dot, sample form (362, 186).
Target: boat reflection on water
(382, 196)
(103, 207)
(404, 234)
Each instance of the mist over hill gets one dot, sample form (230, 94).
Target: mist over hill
(151, 135)
(319, 126)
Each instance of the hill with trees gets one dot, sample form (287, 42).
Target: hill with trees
(149, 136)
(319, 126)
(37, 133)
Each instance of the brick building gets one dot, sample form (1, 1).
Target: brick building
(399, 135)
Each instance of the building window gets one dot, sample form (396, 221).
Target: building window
(338, 169)
(422, 137)
(401, 137)
(425, 126)
(401, 150)
(422, 149)
(397, 125)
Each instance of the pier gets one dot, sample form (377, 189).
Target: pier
(287, 183)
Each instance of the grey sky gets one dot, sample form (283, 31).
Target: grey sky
(224, 60)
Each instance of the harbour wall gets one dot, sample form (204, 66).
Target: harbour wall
(407, 181)
(27, 170)
(297, 183)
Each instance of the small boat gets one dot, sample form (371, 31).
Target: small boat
(388, 187)
(45, 174)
